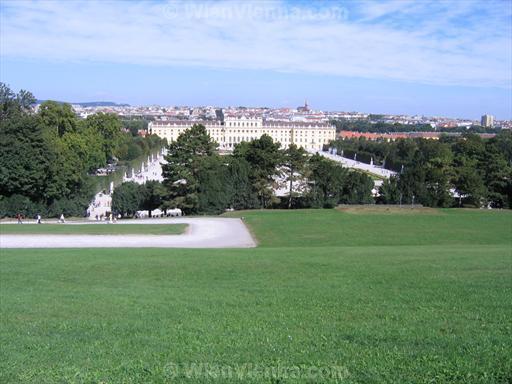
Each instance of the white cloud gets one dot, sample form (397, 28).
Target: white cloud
(373, 40)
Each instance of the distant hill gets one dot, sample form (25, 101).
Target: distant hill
(90, 103)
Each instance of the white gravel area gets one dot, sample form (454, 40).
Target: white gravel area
(202, 232)
(350, 163)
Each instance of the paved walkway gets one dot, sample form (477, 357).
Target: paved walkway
(201, 233)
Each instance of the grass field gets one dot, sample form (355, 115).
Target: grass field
(94, 229)
(384, 297)
(372, 175)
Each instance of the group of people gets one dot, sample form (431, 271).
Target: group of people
(111, 218)
(20, 218)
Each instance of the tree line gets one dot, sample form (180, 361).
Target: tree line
(46, 157)
(372, 125)
(451, 171)
(200, 180)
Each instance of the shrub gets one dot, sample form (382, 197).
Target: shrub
(69, 207)
(12, 205)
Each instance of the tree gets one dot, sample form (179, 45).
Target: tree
(294, 160)
(7, 96)
(23, 150)
(183, 166)
(357, 188)
(152, 193)
(25, 99)
(426, 178)
(127, 198)
(263, 156)
(239, 187)
(470, 187)
(72, 151)
(496, 166)
(389, 192)
(11, 102)
(108, 126)
(497, 177)
(57, 118)
(213, 190)
(326, 179)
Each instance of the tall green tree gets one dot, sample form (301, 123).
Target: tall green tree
(496, 164)
(326, 180)
(497, 177)
(389, 193)
(213, 185)
(183, 166)
(153, 193)
(239, 186)
(108, 126)
(127, 199)
(264, 157)
(57, 118)
(357, 188)
(470, 186)
(294, 161)
(23, 150)
(468, 152)
(24, 156)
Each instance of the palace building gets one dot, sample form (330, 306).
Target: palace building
(234, 130)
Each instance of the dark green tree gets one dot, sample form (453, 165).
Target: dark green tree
(357, 189)
(183, 166)
(264, 157)
(153, 193)
(326, 179)
(294, 162)
(57, 118)
(23, 150)
(127, 199)
(470, 186)
(239, 187)
(213, 182)
(497, 177)
(389, 192)
(108, 126)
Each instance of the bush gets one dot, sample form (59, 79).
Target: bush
(69, 207)
(12, 205)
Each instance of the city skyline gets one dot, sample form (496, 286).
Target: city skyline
(448, 59)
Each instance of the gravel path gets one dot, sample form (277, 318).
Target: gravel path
(349, 163)
(201, 233)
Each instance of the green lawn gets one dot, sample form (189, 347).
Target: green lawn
(377, 227)
(386, 297)
(93, 229)
(372, 175)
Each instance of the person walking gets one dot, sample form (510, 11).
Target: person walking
(62, 219)
(38, 217)
(18, 216)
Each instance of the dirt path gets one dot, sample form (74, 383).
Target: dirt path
(201, 233)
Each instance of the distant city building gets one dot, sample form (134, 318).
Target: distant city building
(371, 136)
(304, 108)
(393, 136)
(235, 129)
(301, 114)
(487, 121)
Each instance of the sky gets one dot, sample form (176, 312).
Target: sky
(436, 58)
